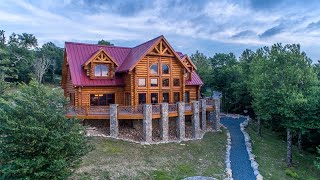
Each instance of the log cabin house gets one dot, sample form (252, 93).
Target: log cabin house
(96, 76)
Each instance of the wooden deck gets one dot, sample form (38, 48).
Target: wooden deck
(128, 112)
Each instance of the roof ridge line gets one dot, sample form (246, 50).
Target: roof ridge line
(148, 41)
(80, 43)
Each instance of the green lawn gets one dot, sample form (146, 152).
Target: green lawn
(271, 153)
(117, 159)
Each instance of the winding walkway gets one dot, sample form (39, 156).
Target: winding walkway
(240, 163)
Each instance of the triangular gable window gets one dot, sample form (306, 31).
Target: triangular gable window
(161, 49)
(100, 65)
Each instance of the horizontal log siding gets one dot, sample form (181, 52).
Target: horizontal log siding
(86, 91)
(142, 70)
(193, 92)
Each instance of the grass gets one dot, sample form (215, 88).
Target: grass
(114, 159)
(271, 155)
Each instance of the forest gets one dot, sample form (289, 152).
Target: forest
(278, 85)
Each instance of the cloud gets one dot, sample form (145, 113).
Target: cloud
(247, 23)
(244, 34)
(272, 31)
(314, 26)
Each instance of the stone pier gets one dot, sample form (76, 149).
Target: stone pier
(114, 124)
(203, 114)
(164, 122)
(216, 124)
(181, 121)
(195, 120)
(147, 122)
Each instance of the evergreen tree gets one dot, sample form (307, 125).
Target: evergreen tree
(37, 141)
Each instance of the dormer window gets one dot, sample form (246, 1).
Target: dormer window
(100, 65)
(101, 70)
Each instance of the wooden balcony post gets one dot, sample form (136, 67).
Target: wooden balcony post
(181, 121)
(203, 114)
(195, 120)
(87, 110)
(164, 122)
(147, 122)
(216, 105)
(114, 125)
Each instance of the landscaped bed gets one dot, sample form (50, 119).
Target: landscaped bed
(270, 153)
(118, 159)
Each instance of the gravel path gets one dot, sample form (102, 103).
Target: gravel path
(240, 163)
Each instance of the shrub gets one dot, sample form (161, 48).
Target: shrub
(292, 174)
(36, 140)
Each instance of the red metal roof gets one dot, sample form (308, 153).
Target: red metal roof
(126, 58)
(136, 54)
(78, 54)
(195, 80)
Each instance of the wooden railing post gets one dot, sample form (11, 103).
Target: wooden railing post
(87, 110)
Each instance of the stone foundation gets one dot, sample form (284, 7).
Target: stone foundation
(162, 130)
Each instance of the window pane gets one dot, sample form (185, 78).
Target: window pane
(154, 98)
(165, 97)
(187, 97)
(127, 99)
(176, 97)
(104, 70)
(111, 99)
(154, 82)
(165, 82)
(102, 99)
(154, 69)
(142, 98)
(142, 82)
(165, 69)
(176, 82)
(94, 99)
(97, 70)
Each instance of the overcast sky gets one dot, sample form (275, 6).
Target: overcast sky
(189, 25)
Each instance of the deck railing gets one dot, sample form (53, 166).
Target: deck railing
(188, 107)
(172, 108)
(127, 110)
(210, 102)
(155, 109)
(99, 110)
(130, 109)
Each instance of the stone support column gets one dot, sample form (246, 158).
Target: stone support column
(147, 122)
(164, 122)
(195, 120)
(114, 124)
(216, 123)
(203, 114)
(181, 121)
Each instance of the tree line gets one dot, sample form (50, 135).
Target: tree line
(21, 60)
(277, 86)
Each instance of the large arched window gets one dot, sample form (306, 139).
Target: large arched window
(154, 69)
(165, 69)
(101, 70)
